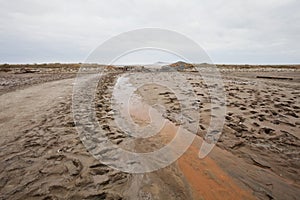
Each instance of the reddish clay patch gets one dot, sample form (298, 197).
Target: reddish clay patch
(206, 178)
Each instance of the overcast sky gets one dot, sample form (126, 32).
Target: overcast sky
(230, 31)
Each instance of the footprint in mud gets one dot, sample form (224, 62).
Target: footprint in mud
(282, 122)
(293, 114)
(242, 107)
(74, 166)
(267, 131)
(255, 124)
(261, 117)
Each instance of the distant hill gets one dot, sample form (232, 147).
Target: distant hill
(181, 65)
(178, 66)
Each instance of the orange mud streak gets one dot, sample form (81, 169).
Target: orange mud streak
(207, 179)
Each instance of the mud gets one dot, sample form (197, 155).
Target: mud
(256, 157)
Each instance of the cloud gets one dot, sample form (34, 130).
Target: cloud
(231, 31)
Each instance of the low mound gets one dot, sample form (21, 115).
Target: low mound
(182, 65)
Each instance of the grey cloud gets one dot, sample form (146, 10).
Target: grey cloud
(231, 31)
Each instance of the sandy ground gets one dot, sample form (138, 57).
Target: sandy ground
(41, 154)
(257, 156)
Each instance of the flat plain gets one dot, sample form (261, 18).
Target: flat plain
(257, 155)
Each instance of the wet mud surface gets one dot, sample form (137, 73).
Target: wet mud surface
(256, 156)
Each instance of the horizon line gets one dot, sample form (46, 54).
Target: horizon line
(41, 63)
